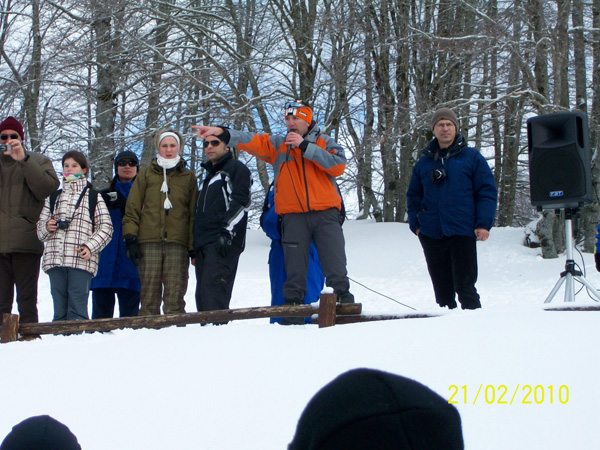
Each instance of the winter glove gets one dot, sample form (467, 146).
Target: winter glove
(132, 249)
(114, 201)
(224, 245)
(597, 259)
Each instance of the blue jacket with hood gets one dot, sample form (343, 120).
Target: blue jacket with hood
(465, 199)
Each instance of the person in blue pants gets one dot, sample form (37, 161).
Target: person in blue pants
(315, 280)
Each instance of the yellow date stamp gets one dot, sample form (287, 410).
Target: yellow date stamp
(526, 394)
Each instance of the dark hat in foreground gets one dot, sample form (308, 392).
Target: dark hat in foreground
(10, 123)
(40, 433)
(444, 114)
(370, 409)
(127, 154)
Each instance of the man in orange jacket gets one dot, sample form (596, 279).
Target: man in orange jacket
(305, 164)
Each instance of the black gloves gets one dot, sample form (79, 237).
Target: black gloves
(132, 249)
(597, 259)
(114, 201)
(224, 244)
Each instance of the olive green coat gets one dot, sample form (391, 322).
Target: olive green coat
(145, 215)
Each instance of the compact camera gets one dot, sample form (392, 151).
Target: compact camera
(438, 174)
(62, 224)
(5, 148)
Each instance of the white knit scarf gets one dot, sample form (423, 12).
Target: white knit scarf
(167, 164)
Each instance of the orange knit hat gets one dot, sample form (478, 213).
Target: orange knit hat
(300, 109)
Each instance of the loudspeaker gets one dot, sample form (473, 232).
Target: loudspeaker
(559, 160)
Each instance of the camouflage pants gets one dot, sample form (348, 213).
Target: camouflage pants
(163, 273)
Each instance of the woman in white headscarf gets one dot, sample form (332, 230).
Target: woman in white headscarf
(157, 226)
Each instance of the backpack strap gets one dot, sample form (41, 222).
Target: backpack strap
(53, 198)
(93, 201)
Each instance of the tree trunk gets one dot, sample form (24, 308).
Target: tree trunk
(161, 33)
(561, 54)
(107, 78)
(510, 154)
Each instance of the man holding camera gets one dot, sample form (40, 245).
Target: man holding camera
(26, 179)
(451, 205)
(117, 274)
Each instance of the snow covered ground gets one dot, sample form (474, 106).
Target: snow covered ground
(244, 385)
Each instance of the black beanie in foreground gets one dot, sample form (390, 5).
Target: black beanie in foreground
(40, 433)
(370, 409)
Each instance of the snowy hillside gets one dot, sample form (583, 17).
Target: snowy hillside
(244, 385)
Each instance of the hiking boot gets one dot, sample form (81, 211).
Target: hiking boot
(345, 297)
(292, 320)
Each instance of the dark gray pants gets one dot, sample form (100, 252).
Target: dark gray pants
(70, 289)
(324, 229)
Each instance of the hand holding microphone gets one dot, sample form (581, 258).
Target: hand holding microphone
(293, 139)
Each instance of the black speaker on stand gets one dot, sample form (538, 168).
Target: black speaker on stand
(560, 177)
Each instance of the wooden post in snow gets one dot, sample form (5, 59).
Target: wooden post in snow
(327, 304)
(10, 328)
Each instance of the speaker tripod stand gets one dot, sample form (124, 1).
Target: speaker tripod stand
(571, 273)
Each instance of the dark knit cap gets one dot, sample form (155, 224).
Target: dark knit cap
(40, 433)
(366, 408)
(127, 155)
(10, 123)
(444, 114)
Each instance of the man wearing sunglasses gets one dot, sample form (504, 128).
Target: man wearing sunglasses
(220, 223)
(305, 164)
(117, 274)
(26, 179)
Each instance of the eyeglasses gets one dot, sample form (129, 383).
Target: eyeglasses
(214, 143)
(127, 163)
(4, 137)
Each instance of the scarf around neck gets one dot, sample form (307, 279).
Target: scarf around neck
(167, 164)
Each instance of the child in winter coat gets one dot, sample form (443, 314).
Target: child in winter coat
(72, 240)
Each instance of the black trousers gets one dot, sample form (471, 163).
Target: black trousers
(452, 265)
(103, 303)
(21, 270)
(215, 275)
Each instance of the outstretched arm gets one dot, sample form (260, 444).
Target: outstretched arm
(204, 131)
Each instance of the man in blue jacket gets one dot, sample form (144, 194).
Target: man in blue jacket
(117, 274)
(451, 205)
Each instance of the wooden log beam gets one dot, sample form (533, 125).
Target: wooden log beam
(341, 320)
(157, 322)
(573, 308)
(10, 328)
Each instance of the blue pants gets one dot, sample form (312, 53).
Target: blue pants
(70, 289)
(277, 275)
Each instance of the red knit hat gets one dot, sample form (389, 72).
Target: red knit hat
(10, 123)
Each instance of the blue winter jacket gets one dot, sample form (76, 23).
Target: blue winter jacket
(115, 270)
(457, 204)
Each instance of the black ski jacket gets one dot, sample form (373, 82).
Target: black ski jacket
(223, 202)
